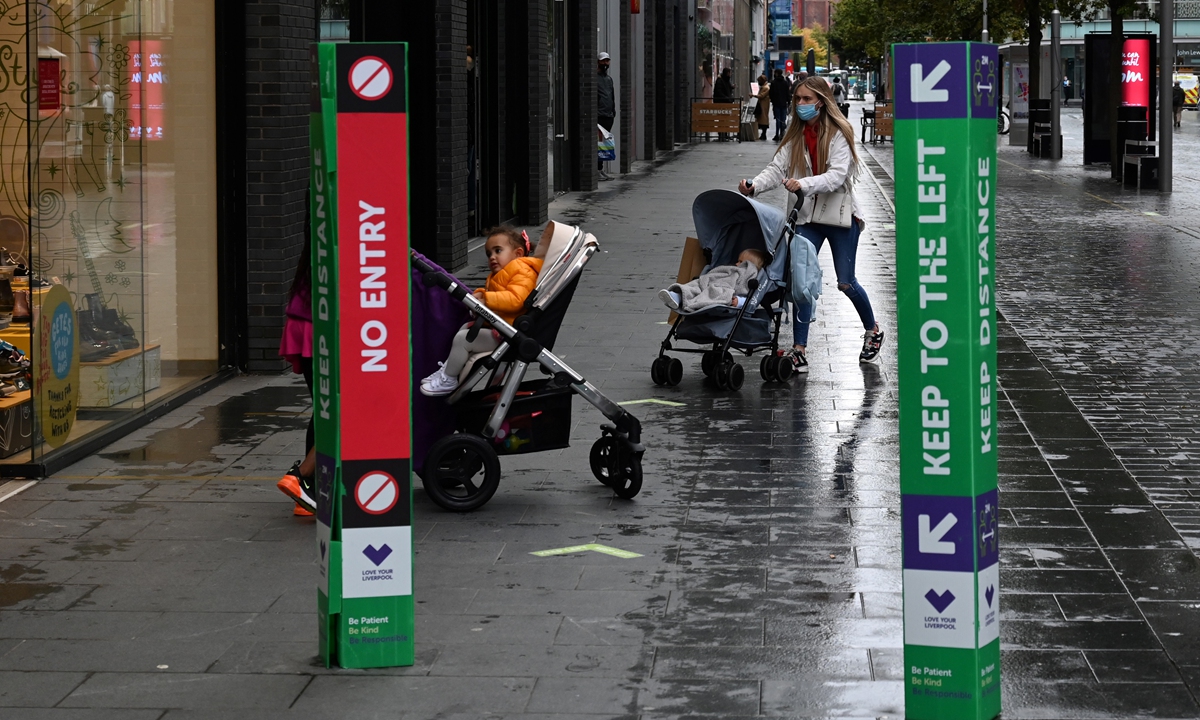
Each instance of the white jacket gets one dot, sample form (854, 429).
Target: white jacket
(837, 173)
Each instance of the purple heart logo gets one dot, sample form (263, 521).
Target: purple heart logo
(378, 556)
(989, 594)
(939, 602)
(322, 549)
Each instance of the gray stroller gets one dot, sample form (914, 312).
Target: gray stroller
(503, 408)
(728, 223)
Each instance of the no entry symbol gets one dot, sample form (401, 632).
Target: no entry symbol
(370, 78)
(376, 492)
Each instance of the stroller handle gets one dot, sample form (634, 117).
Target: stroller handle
(431, 276)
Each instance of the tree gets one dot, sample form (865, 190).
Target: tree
(863, 29)
(816, 40)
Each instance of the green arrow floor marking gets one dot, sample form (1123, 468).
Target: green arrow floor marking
(655, 401)
(592, 547)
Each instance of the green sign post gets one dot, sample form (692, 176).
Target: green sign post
(361, 359)
(945, 133)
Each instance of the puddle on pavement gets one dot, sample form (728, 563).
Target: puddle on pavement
(13, 592)
(236, 423)
(89, 551)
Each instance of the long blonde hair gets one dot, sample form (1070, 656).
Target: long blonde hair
(831, 121)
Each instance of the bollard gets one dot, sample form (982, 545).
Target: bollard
(361, 364)
(945, 137)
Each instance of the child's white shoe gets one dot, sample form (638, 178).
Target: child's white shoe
(670, 299)
(439, 384)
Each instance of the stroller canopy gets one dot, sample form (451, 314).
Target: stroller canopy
(728, 222)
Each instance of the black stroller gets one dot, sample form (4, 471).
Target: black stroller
(510, 414)
(728, 223)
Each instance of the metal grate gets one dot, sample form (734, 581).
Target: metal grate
(1187, 9)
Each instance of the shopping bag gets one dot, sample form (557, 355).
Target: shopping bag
(690, 266)
(606, 146)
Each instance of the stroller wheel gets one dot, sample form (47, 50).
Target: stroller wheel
(708, 361)
(629, 483)
(616, 466)
(674, 372)
(603, 458)
(783, 369)
(767, 368)
(462, 472)
(658, 371)
(730, 376)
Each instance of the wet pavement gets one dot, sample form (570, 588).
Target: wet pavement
(166, 577)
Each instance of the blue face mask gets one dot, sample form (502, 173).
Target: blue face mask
(806, 112)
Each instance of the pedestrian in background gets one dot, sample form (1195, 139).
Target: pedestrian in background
(817, 156)
(839, 96)
(723, 93)
(762, 111)
(1177, 103)
(781, 97)
(606, 98)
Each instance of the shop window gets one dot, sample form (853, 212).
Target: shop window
(108, 210)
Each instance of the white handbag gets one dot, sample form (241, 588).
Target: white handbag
(834, 208)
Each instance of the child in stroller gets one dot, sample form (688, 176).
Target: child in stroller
(726, 285)
(727, 225)
(501, 410)
(513, 277)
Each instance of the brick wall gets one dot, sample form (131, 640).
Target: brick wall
(450, 124)
(581, 83)
(625, 146)
(278, 35)
(538, 84)
(665, 65)
(650, 85)
(683, 73)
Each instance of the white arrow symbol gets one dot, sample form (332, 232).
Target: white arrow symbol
(924, 88)
(930, 541)
(979, 87)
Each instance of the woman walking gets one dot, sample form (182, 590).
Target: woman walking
(817, 155)
(762, 111)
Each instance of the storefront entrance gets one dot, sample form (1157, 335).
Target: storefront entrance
(108, 217)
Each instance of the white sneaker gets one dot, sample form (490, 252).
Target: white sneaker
(439, 384)
(670, 299)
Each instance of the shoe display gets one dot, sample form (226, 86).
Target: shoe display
(21, 310)
(872, 342)
(799, 360)
(439, 384)
(7, 297)
(93, 345)
(106, 320)
(298, 488)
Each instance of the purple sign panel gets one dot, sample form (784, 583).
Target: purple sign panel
(987, 514)
(938, 533)
(985, 80)
(931, 81)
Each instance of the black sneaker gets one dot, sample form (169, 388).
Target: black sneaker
(872, 342)
(799, 361)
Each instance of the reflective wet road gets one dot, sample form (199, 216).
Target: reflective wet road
(167, 574)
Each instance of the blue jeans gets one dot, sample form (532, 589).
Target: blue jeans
(843, 243)
(781, 116)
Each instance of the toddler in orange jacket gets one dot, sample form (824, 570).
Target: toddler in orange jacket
(513, 277)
